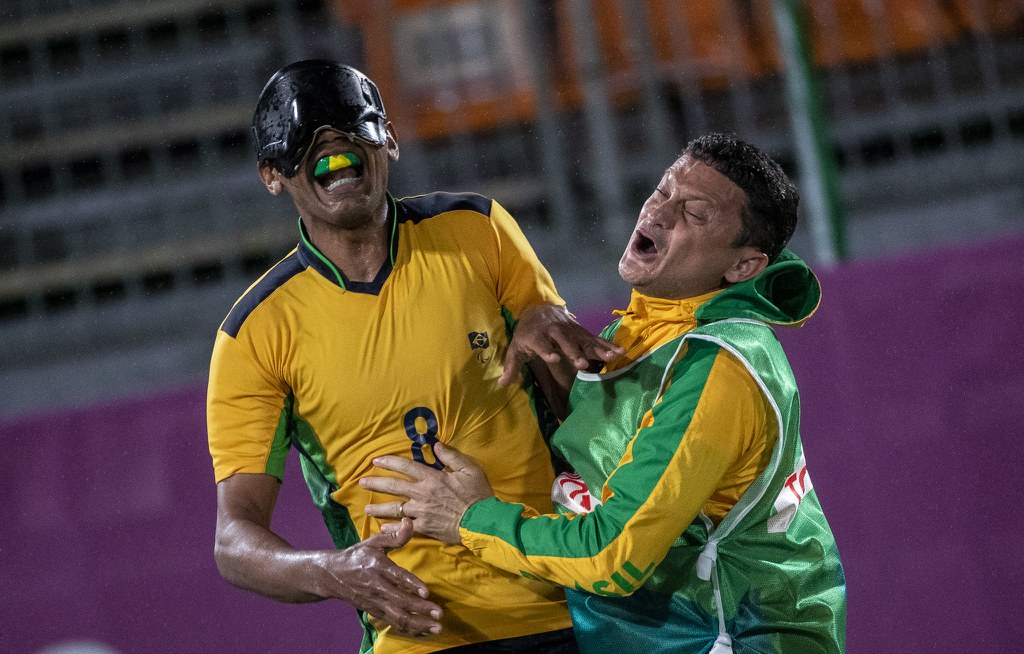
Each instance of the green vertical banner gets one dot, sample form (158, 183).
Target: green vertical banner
(818, 175)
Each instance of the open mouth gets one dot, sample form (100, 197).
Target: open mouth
(333, 171)
(644, 245)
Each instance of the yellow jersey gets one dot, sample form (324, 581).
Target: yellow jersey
(343, 372)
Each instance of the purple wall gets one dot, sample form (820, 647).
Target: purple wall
(108, 517)
(911, 376)
(912, 383)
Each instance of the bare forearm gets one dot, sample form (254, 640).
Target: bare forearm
(253, 557)
(256, 559)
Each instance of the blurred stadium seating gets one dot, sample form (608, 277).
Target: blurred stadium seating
(131, 217)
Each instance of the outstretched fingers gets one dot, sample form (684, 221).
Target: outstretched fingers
(365, 576)
(604, 350)
(417, 476)
(581, 347)
(383, 543)
(572, 348)
(410, 615)
(436, 500)
(407, 467)
(550, 333)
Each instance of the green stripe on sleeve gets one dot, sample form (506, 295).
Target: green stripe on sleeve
(281, 443)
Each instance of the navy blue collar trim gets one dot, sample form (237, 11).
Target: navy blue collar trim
(311, 257)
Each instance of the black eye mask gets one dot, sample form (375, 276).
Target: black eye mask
(306, 96)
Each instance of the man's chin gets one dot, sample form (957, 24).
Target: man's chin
(352, 210)
(632, 273)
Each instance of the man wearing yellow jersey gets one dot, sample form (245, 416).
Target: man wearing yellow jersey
(707, 535)
(383, 332)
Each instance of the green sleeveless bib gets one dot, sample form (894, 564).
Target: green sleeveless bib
(768, 578)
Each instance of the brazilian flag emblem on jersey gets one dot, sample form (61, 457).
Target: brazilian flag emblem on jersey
(479, 340)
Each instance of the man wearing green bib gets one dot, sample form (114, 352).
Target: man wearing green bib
(707, 535)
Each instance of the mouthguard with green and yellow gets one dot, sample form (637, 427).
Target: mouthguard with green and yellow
(335, 162)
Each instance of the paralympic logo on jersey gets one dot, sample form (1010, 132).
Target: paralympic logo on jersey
(482, 342)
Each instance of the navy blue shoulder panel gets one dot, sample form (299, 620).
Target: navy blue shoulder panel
(273, 280)
(421, 207)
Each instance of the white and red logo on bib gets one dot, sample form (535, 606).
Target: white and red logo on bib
(570, 491)
(797, 485)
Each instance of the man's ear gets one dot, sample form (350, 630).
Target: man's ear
(392, 142)
(750, 264)
(271, 179)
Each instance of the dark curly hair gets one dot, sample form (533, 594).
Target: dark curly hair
(770, 215)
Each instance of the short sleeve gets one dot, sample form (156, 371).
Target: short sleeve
(246, 413)
(522, 280)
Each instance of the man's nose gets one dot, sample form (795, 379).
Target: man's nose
(655, 217)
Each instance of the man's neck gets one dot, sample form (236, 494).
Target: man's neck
(358, 252)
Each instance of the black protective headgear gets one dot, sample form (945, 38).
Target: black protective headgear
(306, 95)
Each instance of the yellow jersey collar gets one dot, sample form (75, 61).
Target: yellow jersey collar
(656, 308)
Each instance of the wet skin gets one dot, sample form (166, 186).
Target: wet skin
(682, 243)
(345, 212)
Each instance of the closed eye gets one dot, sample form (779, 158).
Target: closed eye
(696, 211)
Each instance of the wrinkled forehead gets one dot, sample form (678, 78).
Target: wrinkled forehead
(697, 180)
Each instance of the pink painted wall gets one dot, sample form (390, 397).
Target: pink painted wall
(912, 376)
